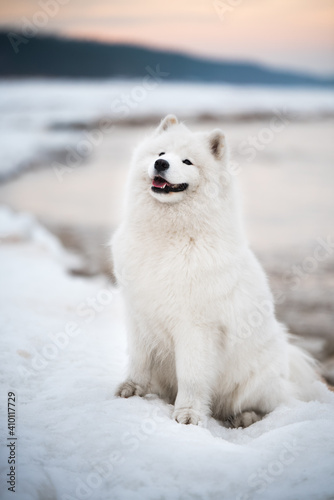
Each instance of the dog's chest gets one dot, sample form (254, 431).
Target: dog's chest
(167, 268)
(171, 274)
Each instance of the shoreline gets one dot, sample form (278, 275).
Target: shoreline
(49, 156)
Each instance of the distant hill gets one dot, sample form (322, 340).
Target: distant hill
(50, 56)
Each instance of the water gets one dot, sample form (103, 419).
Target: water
(39, 118)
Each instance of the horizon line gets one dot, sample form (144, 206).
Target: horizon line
(7, 29)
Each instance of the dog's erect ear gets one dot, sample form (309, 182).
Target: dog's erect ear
(167, 122)
(217, 143)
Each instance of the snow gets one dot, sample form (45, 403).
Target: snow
(40, 114)
(63, 353)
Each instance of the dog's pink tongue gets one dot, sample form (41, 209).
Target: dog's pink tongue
(159, 183)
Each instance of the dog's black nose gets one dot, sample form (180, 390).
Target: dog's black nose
(161, 165)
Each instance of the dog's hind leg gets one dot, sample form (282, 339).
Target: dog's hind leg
(244, 419)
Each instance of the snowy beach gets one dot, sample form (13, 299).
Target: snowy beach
(63, 354)
(65, 159)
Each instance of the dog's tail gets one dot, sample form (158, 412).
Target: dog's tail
(330, 387)
(304, 371)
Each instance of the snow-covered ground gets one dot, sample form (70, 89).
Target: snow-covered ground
(63, 351)
(44, 116)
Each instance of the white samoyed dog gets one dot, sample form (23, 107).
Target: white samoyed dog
(202, 330)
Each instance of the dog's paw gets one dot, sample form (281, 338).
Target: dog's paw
(187, 416)
(129, 388)
(244, 419)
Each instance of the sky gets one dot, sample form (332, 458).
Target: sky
(293, 34)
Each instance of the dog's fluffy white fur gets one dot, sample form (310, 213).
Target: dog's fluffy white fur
(201, 324)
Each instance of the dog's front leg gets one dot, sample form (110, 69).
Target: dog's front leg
(139, 372)
(195, 371)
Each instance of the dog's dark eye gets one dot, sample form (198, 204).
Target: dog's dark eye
(162, 153)
(187, 162)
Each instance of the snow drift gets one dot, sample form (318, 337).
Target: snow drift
(63, 352)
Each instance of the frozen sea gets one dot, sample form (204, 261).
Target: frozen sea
(40, 118)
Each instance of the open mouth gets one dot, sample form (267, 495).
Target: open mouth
(160, 185)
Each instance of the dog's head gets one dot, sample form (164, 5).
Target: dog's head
(177, 163)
